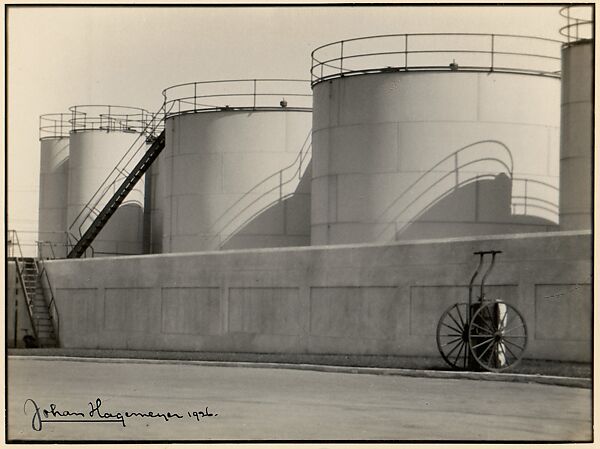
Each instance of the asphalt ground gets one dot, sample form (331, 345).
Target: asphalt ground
(248, 403)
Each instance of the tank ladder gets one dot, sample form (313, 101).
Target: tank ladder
(43, 315)
(115, 201)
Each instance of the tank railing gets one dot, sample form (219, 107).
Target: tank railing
(445, 174)
(580, 23)
(272, 183)
(41, 244)
(265, 93)
(109, 118)
(55, 126)
(529, 199)
(493, 55)
(135, 150)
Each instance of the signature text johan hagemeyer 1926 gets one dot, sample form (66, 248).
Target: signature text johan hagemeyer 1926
(95, 413)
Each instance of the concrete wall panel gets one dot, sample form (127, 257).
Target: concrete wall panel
(191, 311)
(272, 311)
(563, 312)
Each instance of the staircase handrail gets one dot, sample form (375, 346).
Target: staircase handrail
(51, 305)
(150, 128)
(19, 260)
(455, 171)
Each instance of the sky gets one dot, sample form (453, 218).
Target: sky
(63, 56)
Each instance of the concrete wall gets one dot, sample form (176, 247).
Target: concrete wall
(221, 169)
(361, 299)
(93, 156)
(576, 139)
(54, 177)
(383, 146)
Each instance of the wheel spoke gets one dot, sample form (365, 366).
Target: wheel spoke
(453, 328)
(458, 354)
(482, 343)
(452, 341)
(450, 335)
(455, 322)
(513, 354)
(522, 348)
(453, 349)
(506, 358)
(482, 328)
(486, 349)
(482, 336)
(493, 359)
(512, 328)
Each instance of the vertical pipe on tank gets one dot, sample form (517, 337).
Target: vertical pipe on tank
(576, 140)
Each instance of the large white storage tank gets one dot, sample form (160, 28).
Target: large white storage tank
(230, 174)
(429, 135)
(105, 144)
(54, 176)
(577, 119)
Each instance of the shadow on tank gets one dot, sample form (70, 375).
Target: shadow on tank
(483, 207)
(283, 223)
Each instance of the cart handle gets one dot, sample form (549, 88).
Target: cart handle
(493, 253)
(487, 252)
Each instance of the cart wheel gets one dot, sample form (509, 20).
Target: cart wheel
(497, 336)
(452, 336)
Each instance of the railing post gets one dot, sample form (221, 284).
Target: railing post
(492, 55)
(342, 58)
(406, 52)
(254, 95)
(525, 198)
(280, 184)
(195, 96)
(456, 170)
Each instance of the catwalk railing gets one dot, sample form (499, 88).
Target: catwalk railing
(55, 126)
(246, 94)
(470, 52)
(580, 23)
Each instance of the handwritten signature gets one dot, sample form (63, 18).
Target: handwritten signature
(96, 414)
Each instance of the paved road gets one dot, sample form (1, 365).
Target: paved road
(282, 404)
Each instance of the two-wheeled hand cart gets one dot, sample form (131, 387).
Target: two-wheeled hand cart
(485, 333)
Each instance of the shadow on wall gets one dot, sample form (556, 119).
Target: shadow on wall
(484, 206)
(284, 223)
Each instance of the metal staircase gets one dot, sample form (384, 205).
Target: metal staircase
(115, 201)
(42, 311)
(41, 319)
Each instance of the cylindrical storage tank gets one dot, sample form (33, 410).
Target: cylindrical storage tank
(577, 121)
(54, 177)
(105, 144)
(231, 170)
(413, 140)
